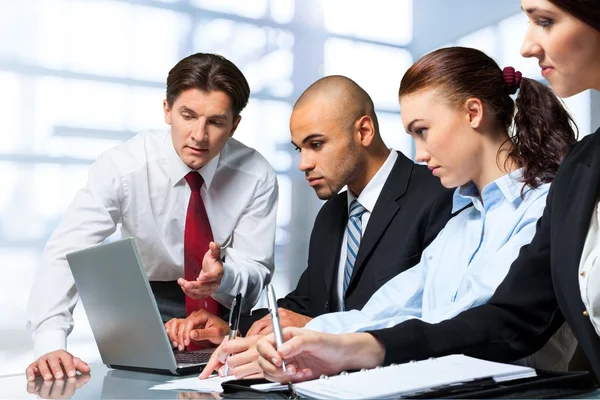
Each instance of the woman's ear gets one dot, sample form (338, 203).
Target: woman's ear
(474, 108)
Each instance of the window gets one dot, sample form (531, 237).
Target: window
(83, 76)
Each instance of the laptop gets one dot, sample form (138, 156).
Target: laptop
(123, 314)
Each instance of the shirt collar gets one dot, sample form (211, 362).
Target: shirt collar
(510, 187)
(177, 169)
(369, 195)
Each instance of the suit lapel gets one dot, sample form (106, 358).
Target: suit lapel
(575, 223)
(335, 234)
(385, 209)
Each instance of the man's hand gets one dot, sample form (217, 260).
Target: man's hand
(287, 318)
(56, 365)
(242, 361)
(210, 277)
(309, 354)
(199, 326)
(58, 389)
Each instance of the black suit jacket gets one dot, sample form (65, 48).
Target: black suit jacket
(540, 291)
(411, 209)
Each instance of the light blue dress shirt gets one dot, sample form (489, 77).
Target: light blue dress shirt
(462, 267)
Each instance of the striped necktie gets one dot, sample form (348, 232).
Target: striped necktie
(354, 231)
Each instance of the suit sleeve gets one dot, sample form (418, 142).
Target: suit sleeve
(518, 320)
(299, 300)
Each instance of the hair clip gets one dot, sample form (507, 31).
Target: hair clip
(512, 79)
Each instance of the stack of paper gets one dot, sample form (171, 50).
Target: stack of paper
(210, 385)
(409, 378)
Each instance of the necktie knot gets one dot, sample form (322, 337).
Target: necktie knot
(356, 209)
(194, 179)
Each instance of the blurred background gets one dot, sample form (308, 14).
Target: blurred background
(78, 77)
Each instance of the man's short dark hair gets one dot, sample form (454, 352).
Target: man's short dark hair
(209, 73)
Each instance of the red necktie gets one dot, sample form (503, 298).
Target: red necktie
(197, 237)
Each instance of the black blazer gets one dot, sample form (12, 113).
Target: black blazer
(411, 209)
(540, 291)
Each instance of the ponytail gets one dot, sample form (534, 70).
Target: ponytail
(543, 129)
(542, 126)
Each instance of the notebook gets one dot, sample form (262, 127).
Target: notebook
(406, 379)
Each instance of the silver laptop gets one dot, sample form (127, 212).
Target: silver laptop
(122, 311)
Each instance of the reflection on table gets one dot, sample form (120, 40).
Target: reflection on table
(101, 383)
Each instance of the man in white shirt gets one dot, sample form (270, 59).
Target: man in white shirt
(177, 193)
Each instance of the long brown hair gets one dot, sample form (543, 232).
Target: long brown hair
(542, 127)
(587, 11)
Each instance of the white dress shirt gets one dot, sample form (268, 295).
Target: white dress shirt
(140, 184)
(589, 271)
(367, 198)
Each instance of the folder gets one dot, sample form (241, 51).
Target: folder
(546, 385)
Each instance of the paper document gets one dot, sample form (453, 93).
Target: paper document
(406, 379)
(212, 384)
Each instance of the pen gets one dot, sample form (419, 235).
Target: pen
(272, 304)
(234, 321)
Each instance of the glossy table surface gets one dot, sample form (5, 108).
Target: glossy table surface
(101, 383)
(105, 383)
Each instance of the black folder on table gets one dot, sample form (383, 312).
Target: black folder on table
(546, 385)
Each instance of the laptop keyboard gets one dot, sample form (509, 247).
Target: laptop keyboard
(192, 357)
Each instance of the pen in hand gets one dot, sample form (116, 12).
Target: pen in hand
(234, 322)
(272, 304)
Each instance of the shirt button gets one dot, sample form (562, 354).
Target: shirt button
(582, 273)
(586, 314)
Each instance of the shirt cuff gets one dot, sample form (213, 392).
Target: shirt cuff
(226, 281)
(314, 325)
(49, 341)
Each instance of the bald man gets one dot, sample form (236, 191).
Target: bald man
(362, 236)
(397, 207)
